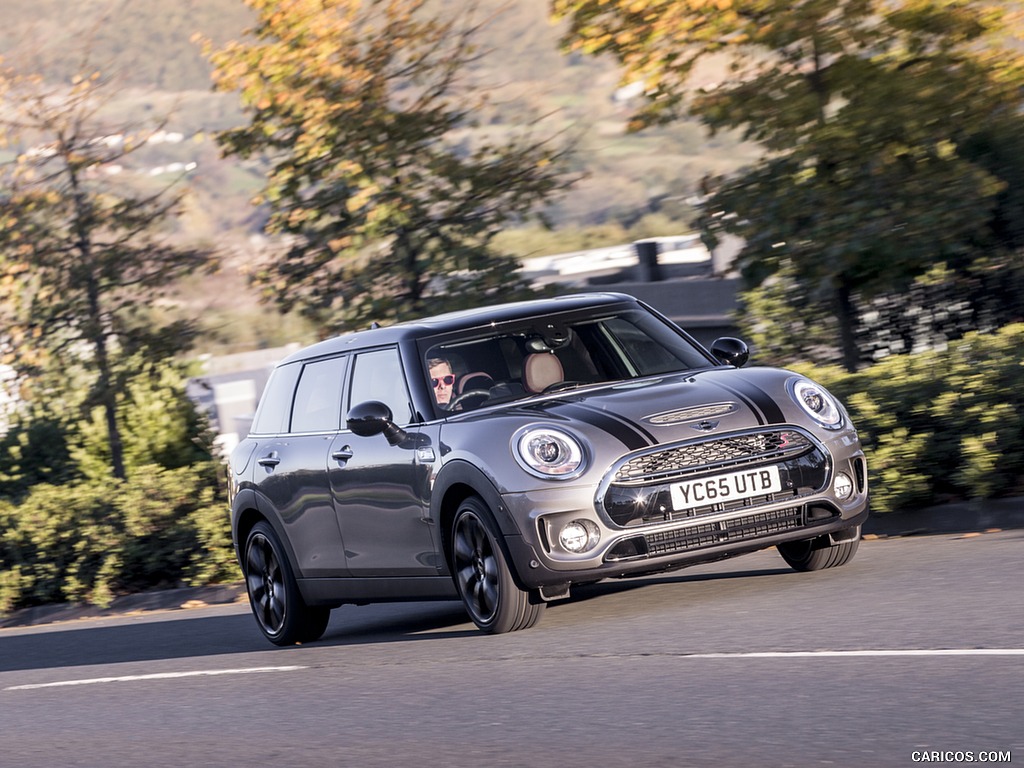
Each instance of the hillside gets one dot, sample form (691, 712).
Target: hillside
(147, 46)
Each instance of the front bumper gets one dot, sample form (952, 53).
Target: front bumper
(690, 546)
(643, 531)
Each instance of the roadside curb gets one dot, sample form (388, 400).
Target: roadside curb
(966, 517)
(961, 517)
(183, 598)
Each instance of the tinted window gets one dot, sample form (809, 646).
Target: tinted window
(317, 405)
(378, 375)
(275, 404)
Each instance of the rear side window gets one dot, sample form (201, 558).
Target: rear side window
(276, 402)
(378, 375)
(317, 406)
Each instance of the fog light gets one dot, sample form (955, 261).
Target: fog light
(843, 486)
(579, 536)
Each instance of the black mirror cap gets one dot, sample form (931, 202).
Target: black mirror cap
(369, 418)
(374, 418)
(730, 351)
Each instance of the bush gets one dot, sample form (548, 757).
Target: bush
(92, 540)
(940, 426)
(70, 532)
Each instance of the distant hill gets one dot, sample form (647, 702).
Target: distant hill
(147, 45)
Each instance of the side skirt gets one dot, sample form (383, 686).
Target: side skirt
(335, 592)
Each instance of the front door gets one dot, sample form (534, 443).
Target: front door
(379, 489)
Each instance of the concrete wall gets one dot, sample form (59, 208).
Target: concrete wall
(229, 390)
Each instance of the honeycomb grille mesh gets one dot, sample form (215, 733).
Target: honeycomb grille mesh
(738, 449)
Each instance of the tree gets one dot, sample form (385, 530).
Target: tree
(864, 109)
(384, 197)
(81, 253)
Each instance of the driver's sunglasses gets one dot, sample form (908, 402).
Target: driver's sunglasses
(447, 380)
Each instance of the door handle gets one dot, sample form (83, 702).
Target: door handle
(343, 454)
(270, 460)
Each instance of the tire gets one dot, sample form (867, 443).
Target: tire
(817, 554)
(480, 568)
(281, 614)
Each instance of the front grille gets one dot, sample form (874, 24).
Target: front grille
(662, 465)
(724, 531)
(638, 492)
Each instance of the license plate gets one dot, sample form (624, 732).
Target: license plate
(735, 485)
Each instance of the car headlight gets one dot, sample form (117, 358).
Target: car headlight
(816, 402)
(548, 452)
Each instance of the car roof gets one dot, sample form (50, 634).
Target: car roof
(458, 321)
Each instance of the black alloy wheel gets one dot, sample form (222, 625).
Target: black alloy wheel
(281, 614)
(482, 575)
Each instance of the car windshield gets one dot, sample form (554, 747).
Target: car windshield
(554, 353)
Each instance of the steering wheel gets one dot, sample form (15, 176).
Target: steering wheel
(457, 401)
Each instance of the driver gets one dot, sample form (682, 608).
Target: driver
(442, 379)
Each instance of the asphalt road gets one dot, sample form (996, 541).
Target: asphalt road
(916, 646)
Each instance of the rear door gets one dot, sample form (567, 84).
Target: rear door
(291, 468)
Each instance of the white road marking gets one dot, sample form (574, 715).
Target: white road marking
(866, 652)
(154, 676)
(908, 652)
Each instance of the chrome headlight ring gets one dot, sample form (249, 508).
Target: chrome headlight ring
(816, 402)
(549, 452)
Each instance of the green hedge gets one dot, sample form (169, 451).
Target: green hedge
(940, 426)
(91, 540)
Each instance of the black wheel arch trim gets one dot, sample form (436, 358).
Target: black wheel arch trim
(248, 502)
(460, 472)
(244, 502)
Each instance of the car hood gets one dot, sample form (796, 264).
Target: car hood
(650, 411)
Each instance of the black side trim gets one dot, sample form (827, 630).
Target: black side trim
(335, 592)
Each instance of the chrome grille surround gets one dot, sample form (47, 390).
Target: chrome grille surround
(636, 491)
(668, 463)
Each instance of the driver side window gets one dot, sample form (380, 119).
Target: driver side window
(378, 375)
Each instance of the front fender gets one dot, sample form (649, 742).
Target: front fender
(450, 487)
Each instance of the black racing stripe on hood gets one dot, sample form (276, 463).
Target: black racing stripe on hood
(754, 409)
(632, 435)
(761, 399)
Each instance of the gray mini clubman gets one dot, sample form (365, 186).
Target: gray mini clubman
(501, 455)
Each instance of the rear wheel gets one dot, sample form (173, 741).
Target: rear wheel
(482, 575)
(818, 554)
(281, 614)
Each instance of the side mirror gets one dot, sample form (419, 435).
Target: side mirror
(730, 351)
(374, 418)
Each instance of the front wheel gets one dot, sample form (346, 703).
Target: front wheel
(281, 613)
(818, 554)
(482, 576)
